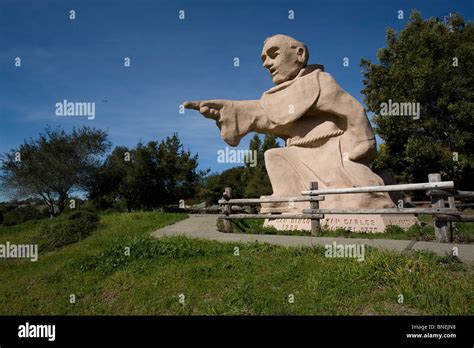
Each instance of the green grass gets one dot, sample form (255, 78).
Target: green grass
(462, 232)
(217, 282)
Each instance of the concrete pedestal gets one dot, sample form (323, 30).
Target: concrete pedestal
(371, 223)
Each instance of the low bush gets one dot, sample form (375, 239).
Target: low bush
(68, 230)
(21, 214)
(87, 218)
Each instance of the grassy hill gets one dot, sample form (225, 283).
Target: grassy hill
(215, 281)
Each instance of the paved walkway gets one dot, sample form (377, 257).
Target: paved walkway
(204, 226)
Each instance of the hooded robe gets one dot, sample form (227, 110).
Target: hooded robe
(328, 138)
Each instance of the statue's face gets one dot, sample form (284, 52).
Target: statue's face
(282, 61)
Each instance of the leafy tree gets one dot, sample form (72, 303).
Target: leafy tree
(213, 185)
(179, 170)
(147, 176)
(256, 178)
(245, 181)
(54, 165)
(119, 178)
(432, 64)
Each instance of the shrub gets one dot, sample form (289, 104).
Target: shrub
(5, 208)
(21, 214)
(85, 217)
(11, 218)
(72, 229)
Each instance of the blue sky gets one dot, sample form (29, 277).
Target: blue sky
(172, 60)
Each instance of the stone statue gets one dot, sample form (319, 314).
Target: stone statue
(328, 136)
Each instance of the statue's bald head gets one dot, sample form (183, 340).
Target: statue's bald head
(284, 57)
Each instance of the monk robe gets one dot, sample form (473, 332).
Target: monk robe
(328, 139)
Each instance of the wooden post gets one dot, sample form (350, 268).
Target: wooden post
(451, 224)
(227, 209)
(315, 225)
(440, 226)
(451, 202)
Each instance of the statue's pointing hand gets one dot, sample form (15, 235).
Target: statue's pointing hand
(209, 108)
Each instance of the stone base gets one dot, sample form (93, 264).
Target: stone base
(371, 223)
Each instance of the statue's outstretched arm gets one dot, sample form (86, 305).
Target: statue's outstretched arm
(235, 118)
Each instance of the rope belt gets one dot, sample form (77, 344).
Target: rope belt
(305, 141)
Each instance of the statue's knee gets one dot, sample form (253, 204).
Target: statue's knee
(272, 155)
(364, 152)
(278, 162)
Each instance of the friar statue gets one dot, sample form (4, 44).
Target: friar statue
(328, 136)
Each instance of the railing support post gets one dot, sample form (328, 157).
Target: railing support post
(440, 226)
(227, 209)
(315, 225)
(451, 224)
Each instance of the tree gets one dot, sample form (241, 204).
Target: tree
(214, 185)
(256, 178)
(245, 181)
(54, 165)
(431, 64)
(118, 178)
(179, 170)
(147, 176)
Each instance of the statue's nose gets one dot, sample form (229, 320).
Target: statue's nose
(267, 64)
